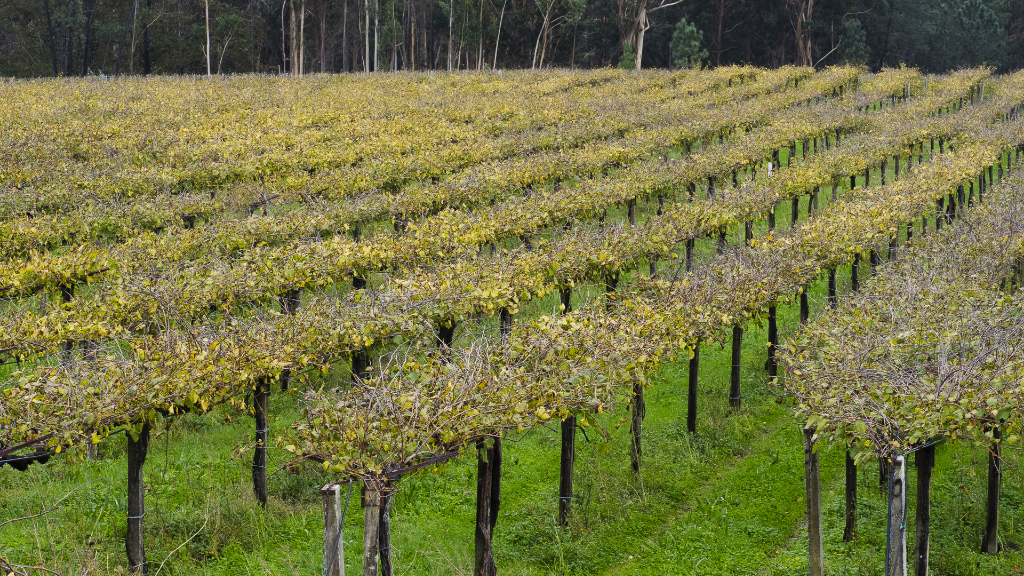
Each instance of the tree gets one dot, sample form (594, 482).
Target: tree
(573, 10)
(854, 43)
(981, 33)
(628, 61)
(634, 22)
(800, 15)
(685, 46)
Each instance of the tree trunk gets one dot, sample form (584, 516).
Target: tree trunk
(120, 48)
(642, 27)
(137, 449)
(147, 62)
(344, 39)
(89, 8)
(209, 71)
(69, 43)
(52, 39)
(366, 38)
(302, 38)
(293, 29)
(322, 42)
(497, 38)
(451, 32)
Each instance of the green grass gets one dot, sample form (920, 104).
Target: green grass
(727, 500)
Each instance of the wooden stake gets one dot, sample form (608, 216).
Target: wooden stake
(504, 324)
(855, 273)
(734, 379)
(896, 539)
(371, 523)
(832, 288)
(334, 543)
(568, 457)
(134, 546)
(384, 531)
(805, 307)
(636, 426)
(773, 340)
(812, 477)
(488, 498)
(990, 542)
(261, 396)
(691, 392)
(850, 531)
(924, 460)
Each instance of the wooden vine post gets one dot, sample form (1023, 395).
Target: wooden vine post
(850, 530)
(261, 396)
(384, 530)
(334, 543)
(488, 484)
(488, 501)
(990, 541)
(771, 365)
(805, 306)
(734, 377)
(924, 459)
(636, 424)
(371, 523)
(831, 299)
(855, 273)
(289, 305)
(691, 392)
(896, 537)
(812, 478)
(137, 448)
(568, 453)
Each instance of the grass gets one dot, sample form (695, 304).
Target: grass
(726, 500)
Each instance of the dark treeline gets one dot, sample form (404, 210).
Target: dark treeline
(81, 37)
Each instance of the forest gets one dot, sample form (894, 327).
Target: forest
(135, 37)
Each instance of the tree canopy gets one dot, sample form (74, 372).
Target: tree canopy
(82, 37)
